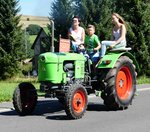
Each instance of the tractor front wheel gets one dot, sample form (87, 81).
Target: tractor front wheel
(76, 101)
(25, 98)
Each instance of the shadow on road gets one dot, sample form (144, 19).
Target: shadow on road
(8, 111)
(42, 107)
(53, 110)
(97, 107)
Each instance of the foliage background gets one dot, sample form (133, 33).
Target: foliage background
(98, 12)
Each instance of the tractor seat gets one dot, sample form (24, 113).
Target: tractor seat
(121, 49)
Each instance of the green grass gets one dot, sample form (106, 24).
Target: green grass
(6, 91)
(7, 87)
(32, 38)
(143, 80)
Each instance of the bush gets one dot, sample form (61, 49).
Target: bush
(33, 29)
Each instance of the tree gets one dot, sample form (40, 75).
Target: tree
(33, 29)
(138, 36)
(28, 40)
(62, 13)
(96, 12)
(136, 14)
(11, 48)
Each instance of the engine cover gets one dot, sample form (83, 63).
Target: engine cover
(51, 66)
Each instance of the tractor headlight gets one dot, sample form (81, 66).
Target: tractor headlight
(43, 58)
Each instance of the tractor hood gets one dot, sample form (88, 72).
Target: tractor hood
(50, 66)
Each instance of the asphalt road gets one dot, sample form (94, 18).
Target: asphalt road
(49, 116)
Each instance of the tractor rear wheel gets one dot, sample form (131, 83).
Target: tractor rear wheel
(120, 84)
(25, 98)
(76, 101)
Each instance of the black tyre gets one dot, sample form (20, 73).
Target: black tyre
(25, 98)
(76, 101)
(120, 84)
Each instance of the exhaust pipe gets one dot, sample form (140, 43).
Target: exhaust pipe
(52, 49)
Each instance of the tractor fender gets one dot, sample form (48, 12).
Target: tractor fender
(110, 59)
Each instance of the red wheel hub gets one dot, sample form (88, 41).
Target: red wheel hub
(124, 83)
(79, 101)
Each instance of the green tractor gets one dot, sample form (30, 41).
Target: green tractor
(68, 77)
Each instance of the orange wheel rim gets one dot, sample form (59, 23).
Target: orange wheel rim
(79, 101)
(124, 83)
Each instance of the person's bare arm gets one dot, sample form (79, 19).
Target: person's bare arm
(112, 37)
(69, 33)
(98, 46)
(83, 35)
(70, 36)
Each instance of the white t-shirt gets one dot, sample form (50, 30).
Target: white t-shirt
(77, 35)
